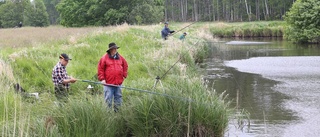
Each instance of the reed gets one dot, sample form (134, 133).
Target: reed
(249, 29)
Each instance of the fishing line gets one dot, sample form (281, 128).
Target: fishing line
(147, 91)
(182, 28)
(135, 89)
(177, 61)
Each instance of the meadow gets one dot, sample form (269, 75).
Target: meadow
(182, 105)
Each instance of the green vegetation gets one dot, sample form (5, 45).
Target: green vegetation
(303, 22)
(79, 13)
(249, 29)
(29, 13)
(142, 114)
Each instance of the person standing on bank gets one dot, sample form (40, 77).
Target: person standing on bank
(112, 70)
(60, 78)
(165, 32)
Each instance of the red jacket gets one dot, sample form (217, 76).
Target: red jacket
(112, 70)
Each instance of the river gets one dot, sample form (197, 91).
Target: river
(276, 83)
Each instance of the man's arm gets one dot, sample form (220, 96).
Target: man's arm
(125, 67)
(101, 68)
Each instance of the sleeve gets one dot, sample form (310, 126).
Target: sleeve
(125, 67)
(101, 68)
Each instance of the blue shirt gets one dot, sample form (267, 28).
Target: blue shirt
(182, 37)
(165, 32)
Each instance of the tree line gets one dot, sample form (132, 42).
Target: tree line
(226, 10)
(78, 13)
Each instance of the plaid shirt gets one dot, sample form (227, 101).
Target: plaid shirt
(59, 73)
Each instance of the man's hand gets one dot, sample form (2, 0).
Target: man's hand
(72, 80)
(103, 82)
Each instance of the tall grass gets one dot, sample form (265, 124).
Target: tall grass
(249, 29)
(142, 114)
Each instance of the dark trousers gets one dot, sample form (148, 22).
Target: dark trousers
(61, 93)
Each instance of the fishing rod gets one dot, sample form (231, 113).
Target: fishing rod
(145, 91)
(134, 89)
(176, 62)
(184, 27)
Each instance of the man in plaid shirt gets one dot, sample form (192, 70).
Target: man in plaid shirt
(60, 78)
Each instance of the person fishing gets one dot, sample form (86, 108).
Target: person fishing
(60, 78)
(165, 32)
(112, 70)
(183, 36)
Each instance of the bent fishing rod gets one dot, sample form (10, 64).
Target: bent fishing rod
(134, 89)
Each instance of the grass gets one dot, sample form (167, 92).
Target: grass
(249, 29)
(142, 114)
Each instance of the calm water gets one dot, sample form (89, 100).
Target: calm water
(276, 82)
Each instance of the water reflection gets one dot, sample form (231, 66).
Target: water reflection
(269, 81)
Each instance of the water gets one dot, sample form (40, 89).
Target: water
(276, 82)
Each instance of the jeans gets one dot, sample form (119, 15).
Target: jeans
(111, 92)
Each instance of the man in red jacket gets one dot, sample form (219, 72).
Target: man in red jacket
(112, 70)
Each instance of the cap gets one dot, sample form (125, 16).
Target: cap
(166, 23)
(64, 56)
(112, 46)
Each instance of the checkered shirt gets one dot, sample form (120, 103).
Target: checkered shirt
(59, 73)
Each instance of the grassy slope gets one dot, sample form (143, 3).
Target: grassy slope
(148, 56)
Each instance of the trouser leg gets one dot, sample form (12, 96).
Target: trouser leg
(117, 99)
(108, 95)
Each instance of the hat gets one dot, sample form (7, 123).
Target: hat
(64, 56)
(185, 33)
(166, 23)
(112, 46)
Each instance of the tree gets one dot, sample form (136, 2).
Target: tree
(36, 14)
(52, 11)
(303, 20)
(146, 13)
(11, 14)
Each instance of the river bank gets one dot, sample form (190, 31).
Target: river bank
(248, 29)
(142, 114)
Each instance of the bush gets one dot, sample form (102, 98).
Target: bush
(303, 20)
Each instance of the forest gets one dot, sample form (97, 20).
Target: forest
(78, 13)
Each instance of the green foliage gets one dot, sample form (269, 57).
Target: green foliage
(52, 11)
(252, 29)
(114, 16)
(78, 13)
(303, 21)
(201, 54)
(30, 14)
(146, 13)
(11, 14)
(172, 115)
(37, 15)
(82, 117)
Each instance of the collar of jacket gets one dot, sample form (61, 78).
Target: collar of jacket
(115, 56)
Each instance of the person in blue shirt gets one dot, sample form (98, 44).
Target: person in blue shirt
(166, 31)
(183, 36)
